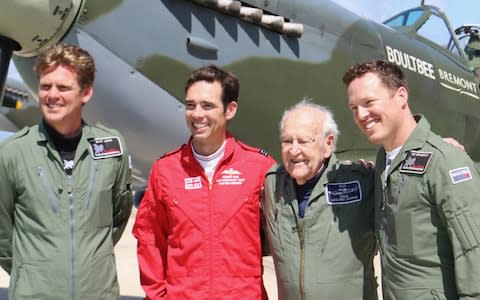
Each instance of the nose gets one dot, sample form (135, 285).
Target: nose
(362, 113)
(53, 92)
(294, 148)
(197, 112)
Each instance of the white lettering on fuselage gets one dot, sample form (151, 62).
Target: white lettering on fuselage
(459, 81)
(410, 62)
(422, 67)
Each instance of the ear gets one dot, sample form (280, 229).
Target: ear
(328, 143)
(86, 93)
(231, 110)
(402, 95)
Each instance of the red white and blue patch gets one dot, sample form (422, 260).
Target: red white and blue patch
(105, 147)
(193, 183)
(460, 175)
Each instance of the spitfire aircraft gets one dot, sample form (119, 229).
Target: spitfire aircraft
(281, 50)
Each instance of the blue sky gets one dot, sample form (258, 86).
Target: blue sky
(458, 11)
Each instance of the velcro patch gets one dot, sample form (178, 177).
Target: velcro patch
(343, 193)
(193, 183)
(105, 147)
(416, 162)
(460, 174)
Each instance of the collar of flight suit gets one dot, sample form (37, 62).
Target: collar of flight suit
(82, 147)
(318, 189)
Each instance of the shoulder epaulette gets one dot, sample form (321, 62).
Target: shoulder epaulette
(172, 152)
(107, 129)
(276, 168)
(21, 132)
(253, 149)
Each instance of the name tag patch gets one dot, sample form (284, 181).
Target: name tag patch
(416, 162)
(105, 147)
(343, 193)
(460, 174)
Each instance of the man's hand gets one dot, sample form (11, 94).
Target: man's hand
(454, 143)
(366, 163)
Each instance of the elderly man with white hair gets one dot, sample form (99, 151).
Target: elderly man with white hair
(319, 213)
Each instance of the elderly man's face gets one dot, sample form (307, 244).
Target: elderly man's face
(304, 148)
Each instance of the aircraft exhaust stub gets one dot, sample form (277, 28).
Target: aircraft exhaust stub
(251, 14)
(274, 23)
(254, 15)
(14, 98)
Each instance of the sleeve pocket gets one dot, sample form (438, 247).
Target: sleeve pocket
(464, 228)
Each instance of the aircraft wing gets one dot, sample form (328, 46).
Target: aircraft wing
(4, 135)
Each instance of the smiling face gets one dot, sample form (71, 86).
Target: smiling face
(304, 148)
(61, 99)
(206, 116)
(381, 114)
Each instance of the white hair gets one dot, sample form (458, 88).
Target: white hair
(328, 126)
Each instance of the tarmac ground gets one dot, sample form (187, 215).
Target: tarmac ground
(128, 276)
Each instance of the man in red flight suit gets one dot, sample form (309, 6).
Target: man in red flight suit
(198, 225)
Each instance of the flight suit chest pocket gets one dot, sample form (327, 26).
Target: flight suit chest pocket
(187, 207)
(37, 183)
(411, 219)
(286, 228)
(97, 198)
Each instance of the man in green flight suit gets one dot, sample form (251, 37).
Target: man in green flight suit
(65, 192)
(427, 209)
(319, 213)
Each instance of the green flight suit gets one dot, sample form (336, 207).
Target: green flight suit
(427, 220)
(329, 253)
(57, 231)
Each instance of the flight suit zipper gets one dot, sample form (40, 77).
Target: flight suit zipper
(302, 260)
(72, 233)
(211, 235)
(301, 237)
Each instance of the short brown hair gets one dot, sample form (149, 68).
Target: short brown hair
(390, 74)
(212, 73)
(69, 56)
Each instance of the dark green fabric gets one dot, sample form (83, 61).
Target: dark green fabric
(57, 232)
(429, 227)
(338, 244)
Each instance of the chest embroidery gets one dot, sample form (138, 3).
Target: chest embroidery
(230, 177)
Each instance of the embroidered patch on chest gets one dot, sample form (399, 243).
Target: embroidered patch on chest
(343, 193)
(193, 183)
(460, 174)
(416, 162)
(230, 177)
(105, 147)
